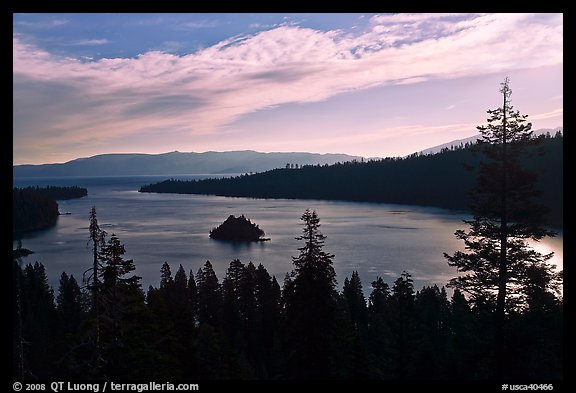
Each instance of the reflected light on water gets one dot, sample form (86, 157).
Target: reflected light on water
(372, 239)
(551, 244)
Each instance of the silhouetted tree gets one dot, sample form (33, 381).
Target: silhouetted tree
(122, 302)
(166, 280)
(249, 328)
(466, 338)
(432, 317)
(73, 306)
(231, 309)
(193, 298)
(248, 312)
(267, 295)
(70, 305)
(356, 302)
(180, 305)
(402, 325)
(506, 216)
(311, 306)
(98, 239)
(209, 297)
(38, 327)
(169, 355)
(379, 334)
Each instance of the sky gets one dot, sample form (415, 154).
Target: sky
(371, 85)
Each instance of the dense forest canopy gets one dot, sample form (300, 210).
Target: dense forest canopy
(245, 325)
(36, 207)
(442, 180)
(62, 193)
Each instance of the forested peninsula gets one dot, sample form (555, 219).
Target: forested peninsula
(36, 208)
(442, 180)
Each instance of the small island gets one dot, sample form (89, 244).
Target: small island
(21, 252)
(238, 229)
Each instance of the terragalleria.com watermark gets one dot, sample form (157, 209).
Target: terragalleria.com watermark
(97, 387)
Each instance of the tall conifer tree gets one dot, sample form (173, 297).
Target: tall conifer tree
(498, 261)
(312, 306)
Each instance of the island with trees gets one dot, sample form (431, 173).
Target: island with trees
(238, 229)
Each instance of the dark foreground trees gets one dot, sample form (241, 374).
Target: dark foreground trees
(499, 269)
(310, 306)
(245, 326)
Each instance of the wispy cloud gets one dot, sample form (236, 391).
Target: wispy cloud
(198, 24)
(92, 42)
(204, 91)
(547, 115)
(42, 24)
(287, 21)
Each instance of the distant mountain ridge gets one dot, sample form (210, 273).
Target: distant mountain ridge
(472, 139)
(211, 162)
(177, 163)
(442, 180)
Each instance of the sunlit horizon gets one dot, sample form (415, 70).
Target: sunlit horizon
(370, 85)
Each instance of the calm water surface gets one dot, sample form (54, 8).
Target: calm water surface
(374, 239)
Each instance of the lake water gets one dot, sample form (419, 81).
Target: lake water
(374, 239)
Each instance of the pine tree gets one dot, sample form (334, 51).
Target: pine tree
(97, 237)
(169, 357)
(181, 282)
(356, 302)
(231, 309)
(181, 306)
(73, 307)
(247, 301)
(193, 298)
(116, 267)
(122, 305)
(209, 297)
(70, 304)
(311, 307)
(402, 324)
(239, 308)
(431, 314)
(166, 279)
(506, 216)
(465, 338)
(267, 301)
(379, 333)
(378, 300)
(17, 294)
(38, 316)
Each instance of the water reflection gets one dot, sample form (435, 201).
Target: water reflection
(374, 239)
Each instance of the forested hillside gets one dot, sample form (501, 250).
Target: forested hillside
(36, 208)
(443, 180)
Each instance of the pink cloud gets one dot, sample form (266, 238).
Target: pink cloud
(205, 91)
